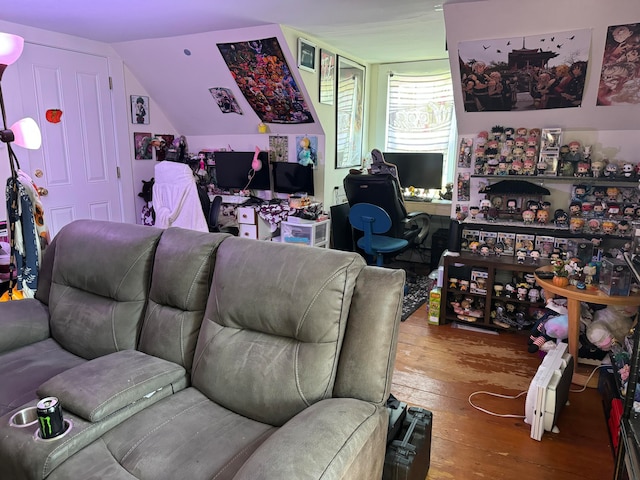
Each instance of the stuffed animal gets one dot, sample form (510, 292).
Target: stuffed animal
(557, 327)
(609, 325)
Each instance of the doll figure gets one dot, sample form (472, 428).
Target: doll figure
(498, 249)
(534, 295)
(598, 209)
(509, 288)
(542, 217)
(574, 156)
(535, 255)
(512, 205)
(498, 288)
(582, 169)
(453, 283)
(594, 225)
(611, 170)
(586, 208)
(516, 167)
(613, 210)
(597, 168)
(533, 205)
(628, 170)
(474, 211)
(575, 208)
(529, 165)
(560, 218)
(528, 216)
(521, 255)
(576, 224)
(627, 211)
(485, 250)
(579, 192)
(612, 194)
(522, 292)
(623, 228)
(608, 227)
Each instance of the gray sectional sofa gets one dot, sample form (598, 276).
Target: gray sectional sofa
(181, 354)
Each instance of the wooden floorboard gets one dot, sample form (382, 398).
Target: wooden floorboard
(438, 367)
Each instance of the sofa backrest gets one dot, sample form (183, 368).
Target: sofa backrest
(180, 285)
(100, 285)
(271, 337)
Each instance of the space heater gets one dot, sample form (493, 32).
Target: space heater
(549, 391)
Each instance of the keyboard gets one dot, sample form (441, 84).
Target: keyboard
(234, 199)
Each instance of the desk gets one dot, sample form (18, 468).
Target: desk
(435, 207)
(574, 296)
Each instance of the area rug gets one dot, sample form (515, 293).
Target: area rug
(418, 288)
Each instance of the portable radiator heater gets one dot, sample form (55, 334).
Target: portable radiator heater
(549, 391)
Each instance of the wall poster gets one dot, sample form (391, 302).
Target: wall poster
(265, 79)
(524, 73)
(620, 75)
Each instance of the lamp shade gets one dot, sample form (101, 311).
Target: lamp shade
(26, 133)
(10, 48)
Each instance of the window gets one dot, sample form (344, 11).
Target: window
(421, 117)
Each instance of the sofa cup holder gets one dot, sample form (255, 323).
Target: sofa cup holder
(68, 425)
(24, 418)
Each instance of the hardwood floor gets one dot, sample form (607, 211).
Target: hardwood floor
(438, 367)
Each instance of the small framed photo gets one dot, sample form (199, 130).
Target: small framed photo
(327, 76)
(306, 55)
(142, 145)
(140, 109)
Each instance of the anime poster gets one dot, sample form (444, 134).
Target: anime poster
(264, 77)
(226, 100)
(619, 79)
(524, 73)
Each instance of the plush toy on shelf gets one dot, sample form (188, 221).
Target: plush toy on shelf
(611, 324)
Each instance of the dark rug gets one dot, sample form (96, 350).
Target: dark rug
(418, 288)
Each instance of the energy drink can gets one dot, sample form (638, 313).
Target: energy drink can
(50, 417)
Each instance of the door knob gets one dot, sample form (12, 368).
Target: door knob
(43, 191)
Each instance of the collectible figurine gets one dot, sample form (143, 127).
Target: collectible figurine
(576, 224)
(594, 225)
(575, 208)
(528, 216)
(512, 205)
(498, 249)
(474, 211)
(542, 217)
(608, 227)
(560, 218)
(597, 168)
(535, 255)
(521, 255)
(611, 170)
(579, 192)
(485, 250)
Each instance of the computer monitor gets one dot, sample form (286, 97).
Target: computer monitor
(292, 178)
(232, 171)
(417, 169)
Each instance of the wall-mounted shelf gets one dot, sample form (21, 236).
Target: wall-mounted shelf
(555, 179)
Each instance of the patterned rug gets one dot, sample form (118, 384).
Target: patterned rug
(417, 294)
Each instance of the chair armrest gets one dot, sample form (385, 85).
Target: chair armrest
(104, 385)
(420, 219)
(22, 322)
(347, 438)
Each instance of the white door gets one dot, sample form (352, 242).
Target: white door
(77, 162)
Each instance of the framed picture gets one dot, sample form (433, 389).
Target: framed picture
(327, 77)
(142, 145)
(306, 55)
(349, 113)
(140, 109)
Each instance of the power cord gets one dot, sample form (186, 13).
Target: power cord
(513, 397)
(506, 415)
(589, 378)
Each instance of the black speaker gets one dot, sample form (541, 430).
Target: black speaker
(455, 237)
(341, 232)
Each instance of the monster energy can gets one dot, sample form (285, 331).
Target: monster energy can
(50, 417)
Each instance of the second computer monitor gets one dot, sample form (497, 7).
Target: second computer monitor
(418, 169)
(233, 169)
(292, 178)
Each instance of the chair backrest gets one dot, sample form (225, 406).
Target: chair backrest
(382, 190)
(371, 220)
(98, 309)
(272, 335)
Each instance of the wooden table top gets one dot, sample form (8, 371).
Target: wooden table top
(592, 294)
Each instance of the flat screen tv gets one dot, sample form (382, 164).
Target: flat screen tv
(292, 178)
(232, 171)
(420, 170)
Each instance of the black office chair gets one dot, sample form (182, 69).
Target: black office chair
(214, 212)
(384, 191)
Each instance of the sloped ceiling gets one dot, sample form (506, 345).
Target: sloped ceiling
(179, 71)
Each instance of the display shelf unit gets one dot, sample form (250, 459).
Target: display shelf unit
(560, 179)
(492, 264)
(627, 464)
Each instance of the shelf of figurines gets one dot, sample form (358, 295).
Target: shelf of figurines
(610, 180)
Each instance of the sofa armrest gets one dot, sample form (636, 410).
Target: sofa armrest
(104, 385)
(22, 322)
(334, 438)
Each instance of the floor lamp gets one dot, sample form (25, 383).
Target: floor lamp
(25, 133)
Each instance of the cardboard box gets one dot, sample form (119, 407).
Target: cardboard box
(478, 283)
(490, 238)
(435, 296)
(615, 277)
(561, 243)
(525, 241)
(468, 236)
(545, 244)
(509, 242)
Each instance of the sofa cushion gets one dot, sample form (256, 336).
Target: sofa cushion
(275, 312)
(182, 436)
(180, 285)
(24, 369)
(97, 306)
